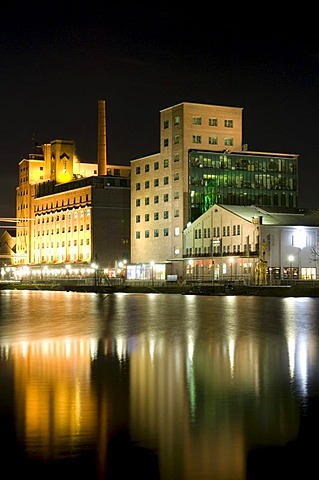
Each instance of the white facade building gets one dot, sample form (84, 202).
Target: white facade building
(229, 242)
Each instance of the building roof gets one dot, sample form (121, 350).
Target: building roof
(276, 215)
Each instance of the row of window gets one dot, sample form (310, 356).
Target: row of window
(197, 120)
(63, 230)
(235, 249)
(156, 182)
(63, 244)
(155, 165)
(216, 231)
(42, 207)
(68, 216)
(228, 141)
(156, 233)
(156, 216)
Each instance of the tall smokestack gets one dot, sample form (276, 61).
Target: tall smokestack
(101, 139)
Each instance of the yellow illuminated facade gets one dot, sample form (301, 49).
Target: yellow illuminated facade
(67, 212)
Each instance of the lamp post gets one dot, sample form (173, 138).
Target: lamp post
(291, 259)
(231, 260)
(152, 272)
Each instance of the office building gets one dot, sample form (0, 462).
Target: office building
(202, 161)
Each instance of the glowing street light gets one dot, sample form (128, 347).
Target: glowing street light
(291, 259)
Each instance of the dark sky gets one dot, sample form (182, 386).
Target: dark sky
(56, 62)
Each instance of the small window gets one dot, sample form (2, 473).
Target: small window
(156, 165)
(147, 234)
(165, 180)
(165, 232)
(147, 184)
(228, 123)
(197, 120)
(212, 122)
(156, 232)
(138, 170)
(166, 124)
(165, 142)
(166, 162)
(177, 120)
(138, 186)
(147, 168)
(197, 139)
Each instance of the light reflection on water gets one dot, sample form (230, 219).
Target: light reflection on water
(168, 386)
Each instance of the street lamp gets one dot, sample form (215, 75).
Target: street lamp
(231, 260)
(152, 271)
(291, 259)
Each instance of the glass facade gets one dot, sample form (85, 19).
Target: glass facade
(240, 179)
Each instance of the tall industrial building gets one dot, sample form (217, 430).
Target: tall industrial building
(69, 211)
(202, 161)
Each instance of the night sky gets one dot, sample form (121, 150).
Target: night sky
(56, 62)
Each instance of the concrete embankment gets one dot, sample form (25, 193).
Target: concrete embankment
(303, 290)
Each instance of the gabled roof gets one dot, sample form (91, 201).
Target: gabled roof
(276, 215)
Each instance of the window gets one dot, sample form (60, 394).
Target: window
(234, 229)
(137, 202)
(166, 124)
(176, 195)
(176, 139)
(212, 122)
(177, 120)
(156, 182)
(138, 235)
(147, 234)
(138, 170)
(138, 218)
(156, 199)
(138, 186)
(165, 197)
(197, 139)
(165, 232)
(228, 141)
(156, 165)
(238, 229)
(147, 217)
(165, 142)
(165, 180)
(165, 214)
(156, 215)
(176, 212)
(147, 200)
(197, 120)
(176, 157)
(176, 231)
(156, 232)
(212, 140)
(147, 168)
(176, 176)
(166, 162)
(147, 184)
(228, 123)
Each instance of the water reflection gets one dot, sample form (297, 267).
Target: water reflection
(166, 386)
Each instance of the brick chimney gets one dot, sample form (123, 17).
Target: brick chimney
(101, 139)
